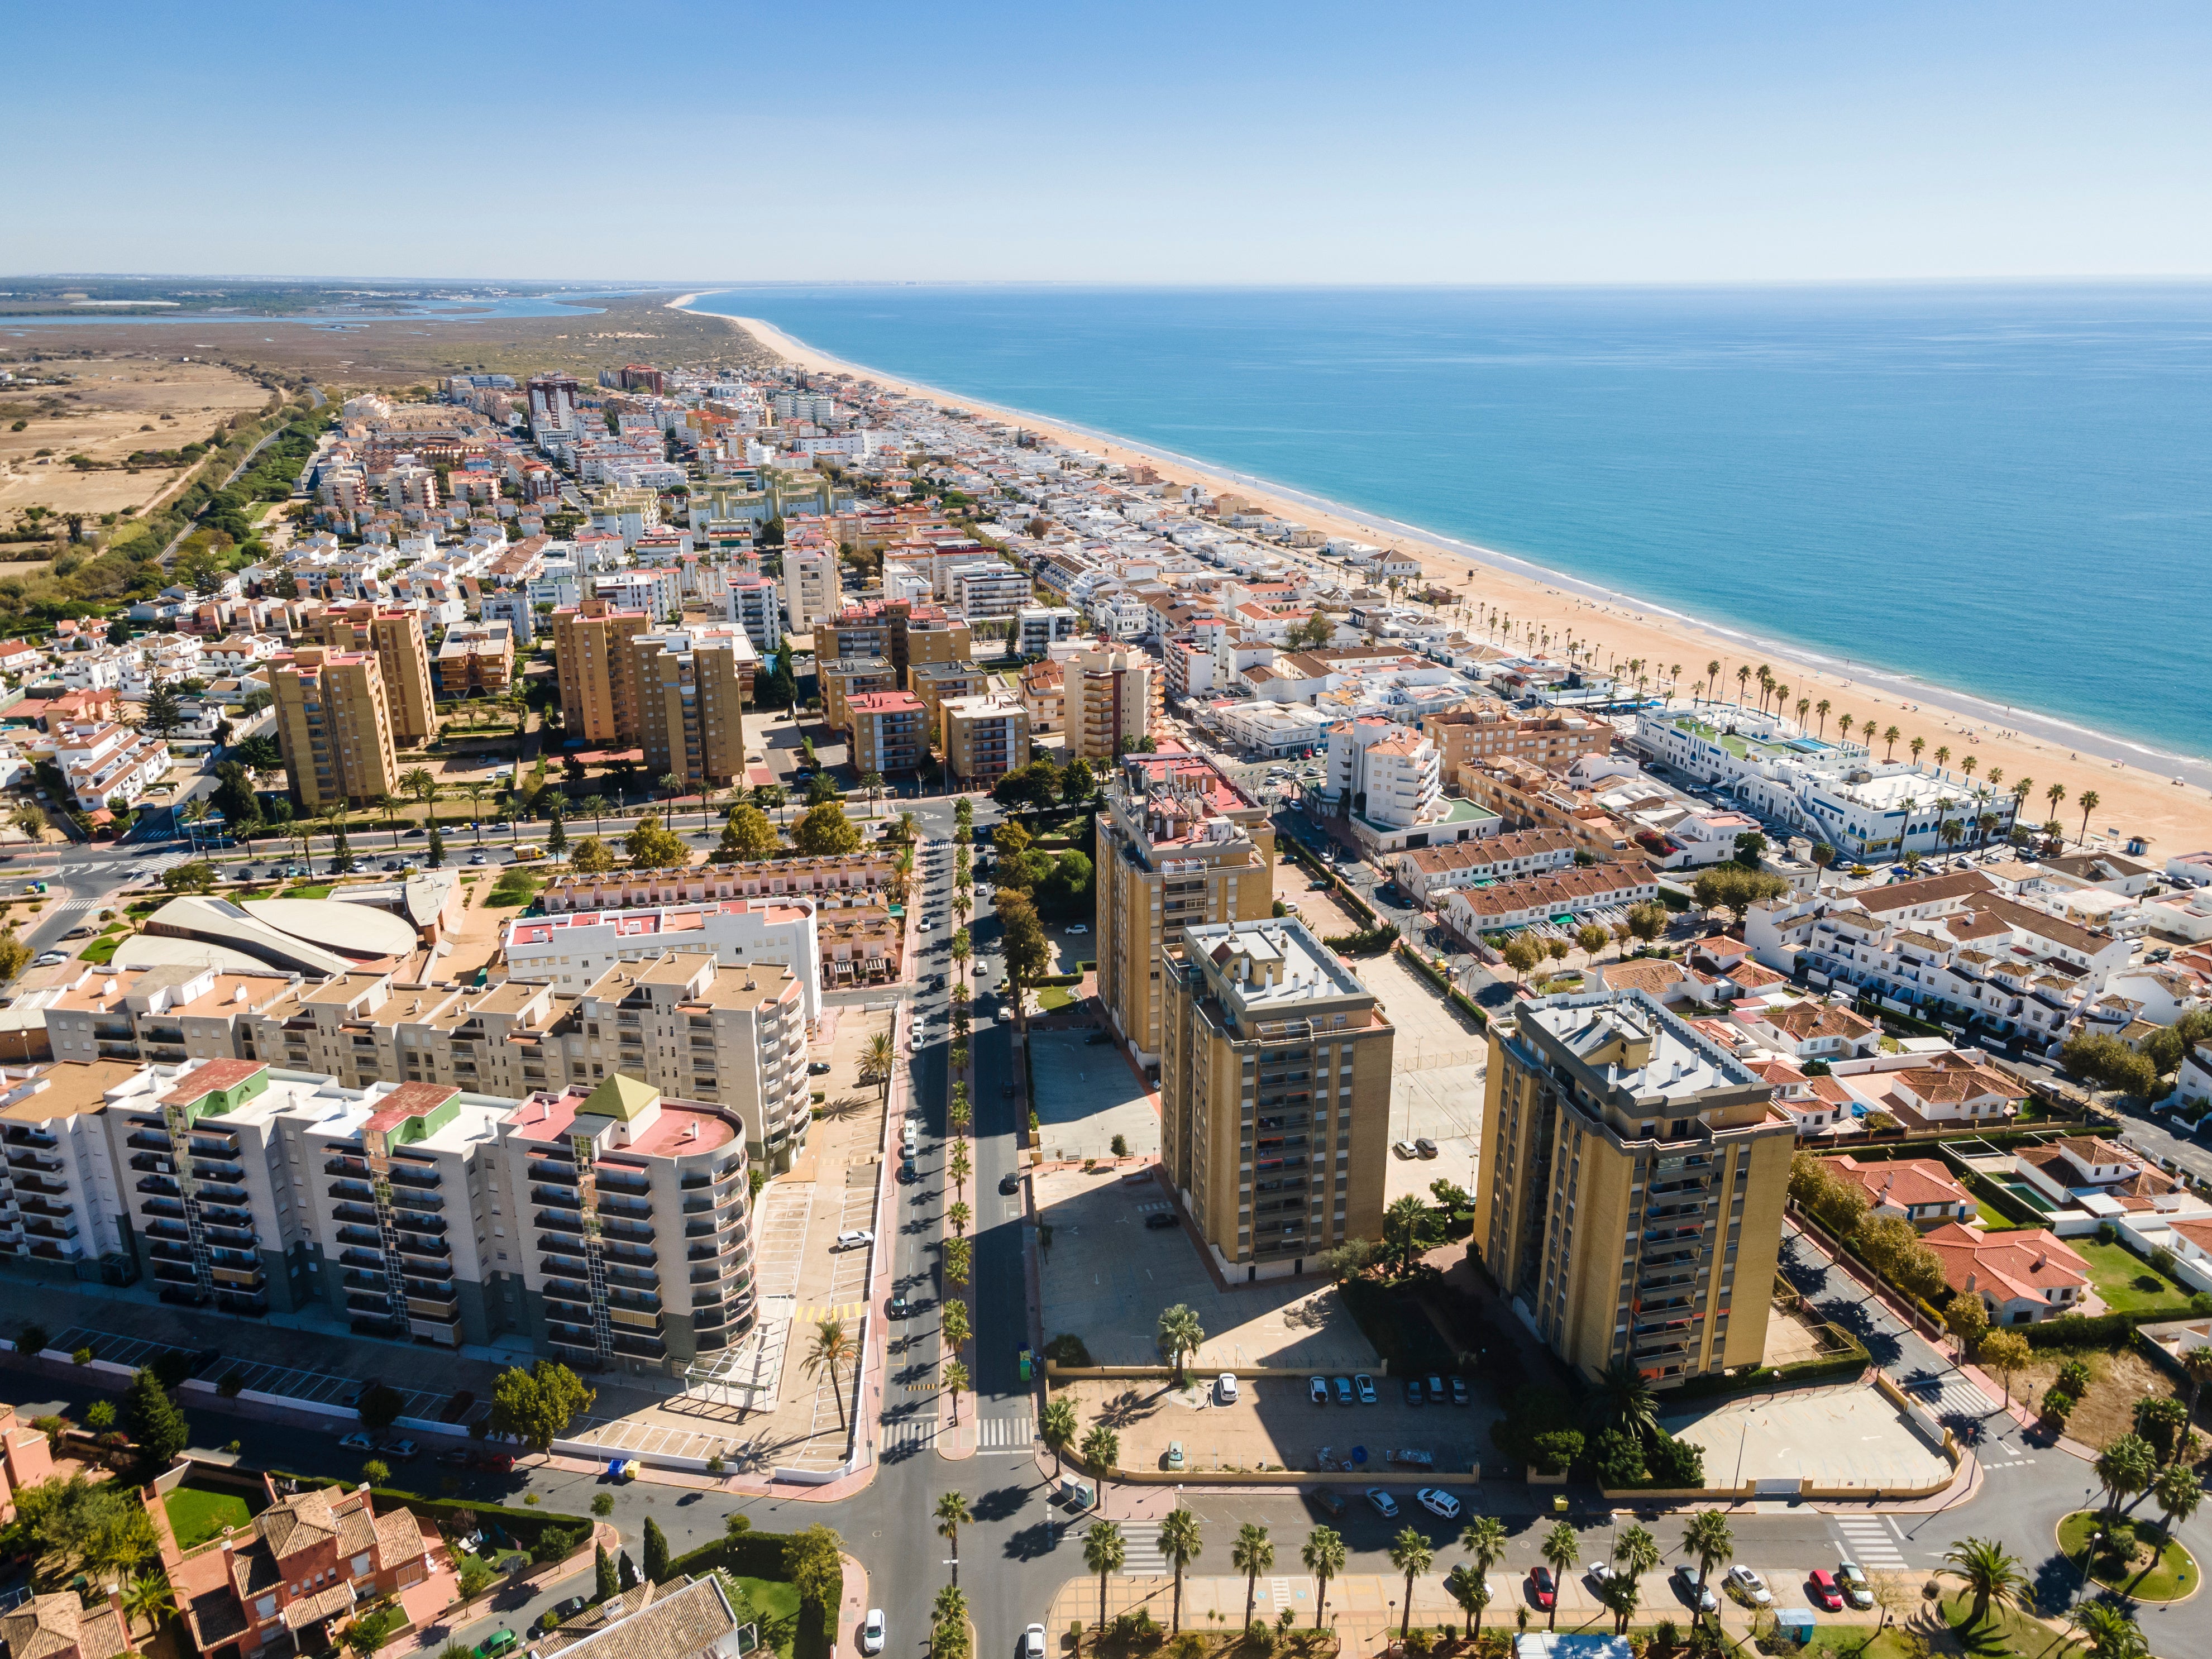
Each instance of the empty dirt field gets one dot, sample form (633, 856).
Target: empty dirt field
(107, 408)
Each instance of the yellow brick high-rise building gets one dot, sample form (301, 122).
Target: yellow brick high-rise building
(1274, 1094)
(1630, 1192)
(403, 657)
(333, 727)
(1178, 844)
(597, 672)
(1113, 697)
(692, 687)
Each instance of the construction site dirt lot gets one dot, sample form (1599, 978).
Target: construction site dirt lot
(109, 408)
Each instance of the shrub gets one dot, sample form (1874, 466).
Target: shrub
(1675, 1463)
(602, 1504)
(32, 1339)
(1554, 1452)
(558, 1543)
(81, 1357)
(2057, 1406)
(233, 1385)
(1067, 1349)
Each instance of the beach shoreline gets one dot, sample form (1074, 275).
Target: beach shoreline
(2135, 782)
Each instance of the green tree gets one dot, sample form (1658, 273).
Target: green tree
(1483, 1538)
(1708, 1541)
(813, 1563)
(827, 1352)
(1404, 1227)
(1102, 1450)
(951, 1515)
(147, 1597)
(1324, 1556)
(74, 1526)
(825, 831)
(1411, 1554)
(1732, 887)
(2109, 1632)
(2002, 1351)
(1252, 1554)
(1180, 1335)
(163, 712)
(656, 1551)
(1104, 1552)
(604, 1585)
(652, 848)
(1022, 945)
(1626, 1400)
(1562, 1550)
(1968, 1320)
(1471, 1590)
(155, 1423)
(1992, 1575)
(590, 857)
(1180, 1545)
(1056, 1428)
(537, 1405)
(434, 853)
(2125, 1468)
(749, 835)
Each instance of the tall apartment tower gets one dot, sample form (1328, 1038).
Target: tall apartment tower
(402, 657)
(552, 406)
(1178, 844)
(1632, 1181)
(333, 727)
(811, 590)
(924, 634)
(592, 655)
(1112, 697)
(692, 687)
(1274, 1094)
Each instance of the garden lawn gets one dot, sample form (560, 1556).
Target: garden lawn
(1996, 1221)
(323, 891)
(776, 1602)
(196, 1515)
(2173, 1575)
(2128, 1284)
(1053, 997)
(101, 950)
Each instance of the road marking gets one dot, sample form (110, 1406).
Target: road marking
(1015, 1433)
(1140, 1550)
(1869, 1541)
(809, 1316)
(919, 1432)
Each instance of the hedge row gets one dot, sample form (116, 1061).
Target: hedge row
(2112, 1330)
(1436, 976)
(1365, 943)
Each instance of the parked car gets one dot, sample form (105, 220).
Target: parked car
(495, 1643)
(1857, 1590)
(817, 1068)
(1385, 1505)
(359, 1443)
(870, 1636)
(1033, 1642)
(854, 1239)
(457, 1458)
(1404, 1149)
(1750, 1586)
(1424, 1147)
(1075, 927)
(1826, 1595)
(1097, 1038)
(1331, 1501)
(1459, 1390)
(1174, 1453)
(568, 1608)
(1436, 1391)
(1601, 1574)
(1317, 1390)
(1413, 1391)
(1160, 1220)
(1364, 1386)
(1224, 1387)
(1343, 1391)
(399, 1450)
(1010, 1183)
(898, 1304)
(1685, 1584)
(1543, 1590)
(1439, 1502)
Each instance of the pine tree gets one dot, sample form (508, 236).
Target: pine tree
(629, 1579)
(155, 1423)
(603, 1569)
(656, 1551)
(557, 836)
(435, 856)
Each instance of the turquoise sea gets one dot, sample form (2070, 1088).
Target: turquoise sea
(2004, 490)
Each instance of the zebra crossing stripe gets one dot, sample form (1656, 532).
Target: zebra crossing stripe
(911, 1431)
(1010, 1432)
(1140, 1550)
(1870, 1542)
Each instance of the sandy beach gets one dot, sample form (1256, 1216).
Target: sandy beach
(2136, 786)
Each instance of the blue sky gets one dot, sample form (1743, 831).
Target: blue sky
(1285, 142)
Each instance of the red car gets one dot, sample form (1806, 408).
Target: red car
(1824, 1593)
(1541, 1589)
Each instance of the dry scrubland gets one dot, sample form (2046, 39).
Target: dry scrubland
(112, 406)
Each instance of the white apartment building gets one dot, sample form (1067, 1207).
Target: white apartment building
(812, 589)
(987, 588)
(1387, 781)
(1038, 626)
(1272, 728)
(657, 591)
(754, 605)
(104, 761)
(1827, 789)
(572, 950)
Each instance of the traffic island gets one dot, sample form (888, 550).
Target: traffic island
(2132, 1555)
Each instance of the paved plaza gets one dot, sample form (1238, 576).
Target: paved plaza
(1841, 1436)
(1086, 1096)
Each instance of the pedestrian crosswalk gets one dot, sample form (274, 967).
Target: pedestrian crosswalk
(917, 1432)
(1140, 1550)
(1868, 1540)
(1950, 1396)
(810, 1314)
(1007, 1433)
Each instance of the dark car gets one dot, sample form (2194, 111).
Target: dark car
(1413, 1391)
(1329, 1502)
(898, 1304)
(1009, 1184)
(817, 1068)
(1160, 1220)
(1097, 1038)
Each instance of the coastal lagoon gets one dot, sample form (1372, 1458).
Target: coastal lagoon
(2007, 491)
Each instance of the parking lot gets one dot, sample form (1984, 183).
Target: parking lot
(318, 1387)
(1086, 1096)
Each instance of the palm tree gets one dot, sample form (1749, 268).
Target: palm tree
(474, 789)
(1180, 1334)
(1707, 1539)
(1824, 854)
(2110, 1633)
(831, 1347)
(1712, 674)
(1742, 684)
(1804, 707)
(1942, 757)
(1324, 1556)
(1620, 1595)
(1103, 1552)
(951, 1515)
(2090, 802)
(1915, 747)
(598, 806)
(1483, 1538)
(1889, 737)
(2177, 1492)
(1102, 1450)
(1626, 1399)
(960, 951)
(1411, 1554)
(1056, 1428)
(1180, 1545)
(1252, 1554)
(1562, 1549)
(1471, 1589)
(949, 1607)
(1992, 1574)
(147, 1595)
(2055, 794)
(879, 1059)
(1637, 1551)
(2197, 1365)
